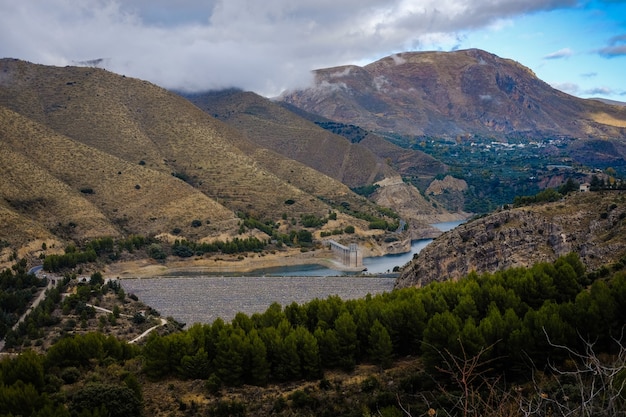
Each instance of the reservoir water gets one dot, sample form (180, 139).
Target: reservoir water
(202, 298)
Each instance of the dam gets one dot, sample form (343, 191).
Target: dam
(350, 256)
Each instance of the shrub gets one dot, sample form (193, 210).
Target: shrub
(182, 251)
(70, 375)
(300, 399)
(155, 251)
(229, 409)
(118, 400)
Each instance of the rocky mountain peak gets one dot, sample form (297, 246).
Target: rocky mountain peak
(448, 94)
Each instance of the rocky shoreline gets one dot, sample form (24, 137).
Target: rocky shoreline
(144, 268)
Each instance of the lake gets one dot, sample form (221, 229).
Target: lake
(202, 298)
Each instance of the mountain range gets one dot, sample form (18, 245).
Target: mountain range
(90, 153)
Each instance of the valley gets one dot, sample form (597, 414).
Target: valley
(106, 176)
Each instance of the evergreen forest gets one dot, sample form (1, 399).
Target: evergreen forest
(545, 340)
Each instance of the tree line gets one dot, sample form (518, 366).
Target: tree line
(516, 324)
(509, 311)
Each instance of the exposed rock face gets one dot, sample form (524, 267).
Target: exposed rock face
(412, 208)
(449, 192)
(590, 224)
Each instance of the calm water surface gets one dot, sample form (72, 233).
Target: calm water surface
(201, 299)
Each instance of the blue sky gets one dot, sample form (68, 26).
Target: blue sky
(581, 51)
(578, 46)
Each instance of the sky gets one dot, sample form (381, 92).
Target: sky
(271, 46)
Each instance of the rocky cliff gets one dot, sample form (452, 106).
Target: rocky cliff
(590, 224)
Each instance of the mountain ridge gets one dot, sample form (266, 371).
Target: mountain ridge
(141, 159)
(590, 224)
(456, 93)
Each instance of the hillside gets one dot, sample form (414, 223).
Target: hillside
(353, 156)
(358, 159)
(272, 127)
(592, 225)
(450, 94)
(91, 153)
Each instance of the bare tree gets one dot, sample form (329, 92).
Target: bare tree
(590, 384)
(481, 392)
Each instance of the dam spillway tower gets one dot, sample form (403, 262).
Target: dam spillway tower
(350, 256)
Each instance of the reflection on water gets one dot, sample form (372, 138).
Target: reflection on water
(384, 264)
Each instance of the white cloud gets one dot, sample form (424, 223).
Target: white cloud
(264, 46)
(600, 91)
(343, 73)
(397, 59)
(561, 53)
(569, 88)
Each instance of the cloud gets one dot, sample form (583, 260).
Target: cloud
(615, 48)
(266, 46)
(397, 59)
(561, 53)
(589, 75)
(569, 88)
(600, 91)
(613, 51)
(340, 74)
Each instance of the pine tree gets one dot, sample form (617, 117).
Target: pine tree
(380, 346)
(347, 338)
(308, 350)
(230, 355)
(258, 367)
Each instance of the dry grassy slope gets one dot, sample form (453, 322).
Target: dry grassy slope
(405, 161)
(137, 121)
(310, 180)
(274, 127)
(590, 224)
(46, 173)
(454, 93)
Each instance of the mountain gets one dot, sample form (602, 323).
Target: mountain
(353, 161)
(607, 101)
(454, 94)
(591, 224)
(90, 153)
(272, 127)
(346, 153)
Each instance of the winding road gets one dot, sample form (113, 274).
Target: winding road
(40, 297)
(163, 322)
